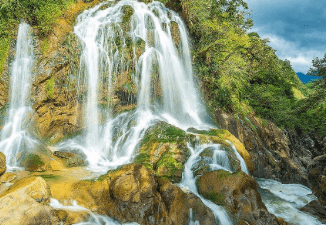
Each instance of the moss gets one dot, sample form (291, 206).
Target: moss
(171, 167)
(45, 45)
(165, 133)
(250, 124)
(214, 197)
(223, 174)
(212, 132)
(49, 87)
(32, 162)
(127, 13)
(144, 159)
(4, 49)
(49, 176)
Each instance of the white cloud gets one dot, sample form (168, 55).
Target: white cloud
(300, 57)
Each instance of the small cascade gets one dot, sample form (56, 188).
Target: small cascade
(189, 181)
(94, 219)
(285, 200)
(191, 222)
(243, 164)
(14, 137)
(220, 160)
(135, 44)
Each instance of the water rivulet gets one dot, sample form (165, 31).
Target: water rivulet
(15, 140)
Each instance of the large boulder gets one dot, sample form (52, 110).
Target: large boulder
(24, 203)
(317, 177)
(2, 163)
(134, 194)
(238, 193)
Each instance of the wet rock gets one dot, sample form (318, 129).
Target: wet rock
(315, 209)
(3, 166)
(71, 216)
(179, 204)
(164, 149)
(238, 193)
(24, 203)
(56, 165)
(317, 177)
(7, 177)
(134, 194)
(33, 162)
(71, 159)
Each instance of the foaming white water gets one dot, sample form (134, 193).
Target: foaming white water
(189, 181)
(14, 137)
(162, 66)
(285, 200)
(94, 219)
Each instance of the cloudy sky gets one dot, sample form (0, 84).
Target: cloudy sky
(295, 28)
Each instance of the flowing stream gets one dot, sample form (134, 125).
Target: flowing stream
(285, 200)
(14, 137)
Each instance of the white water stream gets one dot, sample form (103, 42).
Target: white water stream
(94, 219)
(285, 200)
(189, 180)
(14, 138)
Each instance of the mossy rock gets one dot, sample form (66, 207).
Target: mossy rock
(71, 159)
(33, 162)
(164, 150)
(169, 167)
(164, 133)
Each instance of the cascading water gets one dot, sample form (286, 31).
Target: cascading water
(14, 138)
(161, 66)
(189, 180)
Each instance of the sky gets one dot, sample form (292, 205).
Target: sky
(295, 28)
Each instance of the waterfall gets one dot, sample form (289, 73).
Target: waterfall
(14, 138)
(142, 50)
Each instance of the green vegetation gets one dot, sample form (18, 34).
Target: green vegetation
(49, 87)
(143, 158)
(214, 197)
(42, 14)
(4, 48)
(32, 162)
(164, 133)
(49, 176)
(172, 168)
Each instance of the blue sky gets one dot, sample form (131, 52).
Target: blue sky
(295, 28)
